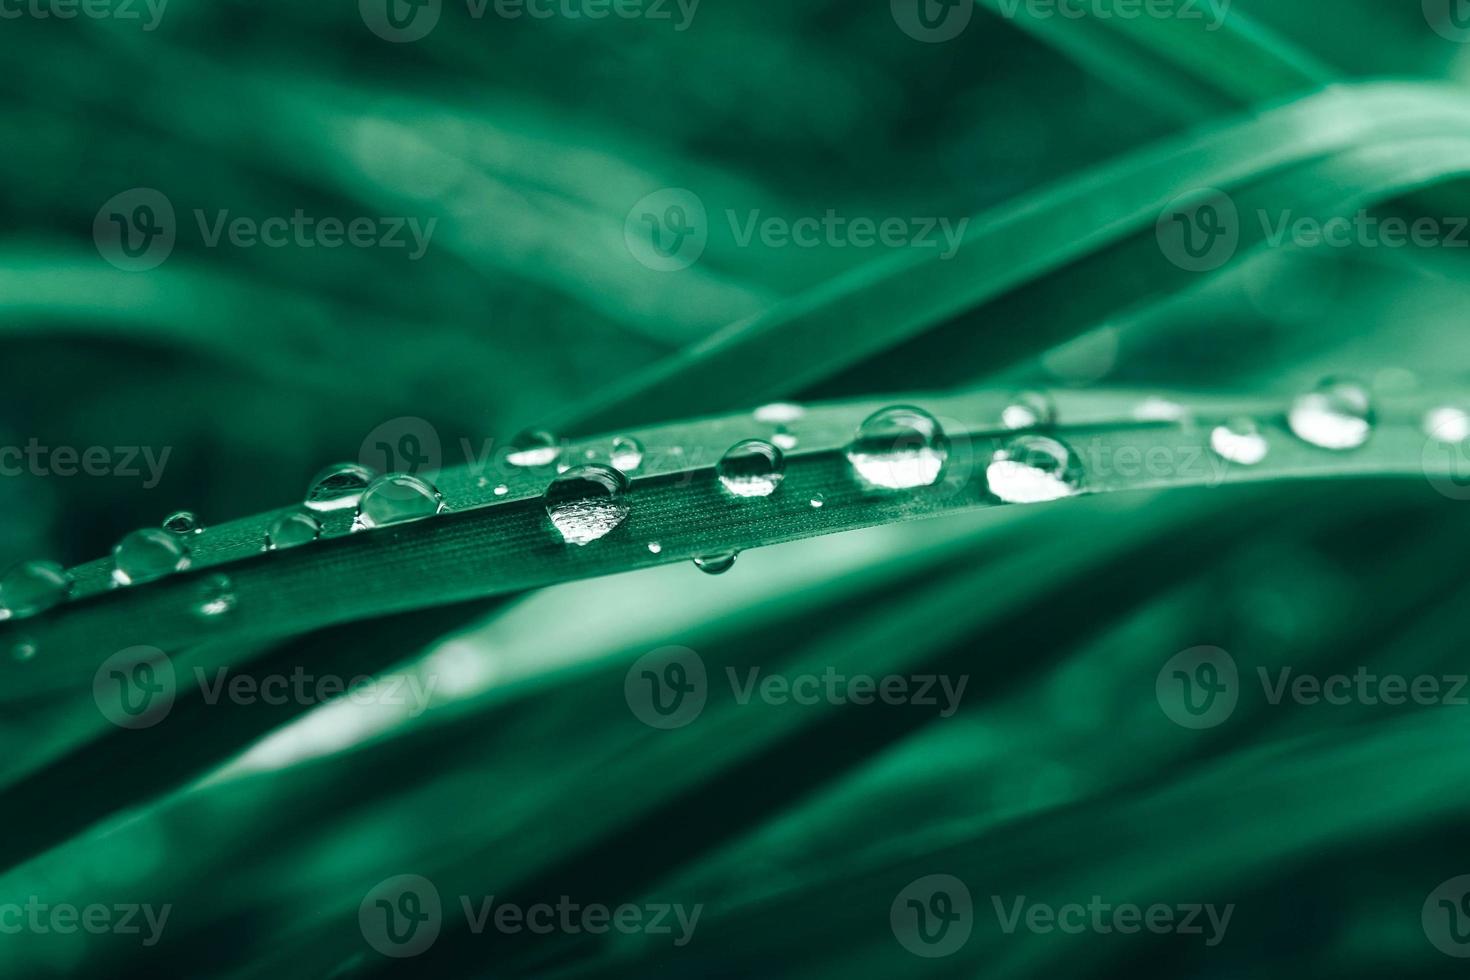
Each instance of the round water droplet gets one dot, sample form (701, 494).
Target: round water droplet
(654, 547)
(899, 448)
(627, 454)
(1338, 414)
(817, 500)
(291, 530)
(779, 412)
(753, 468)
(716, 564)
(215, 596)
(32, 587)
(1240, 441)
(182, 522)
(501, 490)
(146, 555)
(24, 649)
(784, 439)
(338, 486)
(1447, 424)
(1034, 469)
(587, 502)
(1029, 410)
(396, 498)
(533, 449)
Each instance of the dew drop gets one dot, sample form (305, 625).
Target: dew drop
(1240, 441)
(627, 454)
(784, 439)
(292, 530)
(501, 490)
(899, 448)
(654, 547)
(1155, 409)
(24, 649)
(396, 498)
(753, 468)
(147, 554)
(533, 448)
(817, 501)
(587, 502)
(32, 587)
(215, 596)
(1033, 470)
(182, 522)
(1338, 414)
(716, 564)
(779, 412)
(1447, 424)
(338, 486)
(1029, 410)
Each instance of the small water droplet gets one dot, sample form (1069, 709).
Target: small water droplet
(215, 596)
(182, 522)
(779, 412)
(32, 587)
(784, 438)
(1338, 414)
(587, 503)
(148, 554)
(24, 649)
(818, 500)
(338, 486)
(1029, 410)
(292, 530)
(1447, 424)
(533, 448)
(1156, 409)
(716, 564)
(501, 490)
(1033, 470)
(482, 482)
(1240, 441)
(396, 498)
(627, 454)
(752, 468)
(654, 547)
(899, 448)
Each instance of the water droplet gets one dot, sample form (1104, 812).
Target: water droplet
(1029, 410)
(338, 486)
(753, 468)
(1155, 409)
(716, 564)
(784, 438)
(818, 500)
(501, 490)
(627, 454)
(396, 498)
(533, 449)
(587, 502)
(215, 596)
(1240, 441)
(32, 587)
(899, 448)
(24, 649)
(1338, 414)
(291, 530)
(146, 555)
(654, 547)
(182, 522)
(1447, 424)
(1034, 469)
(779, 412)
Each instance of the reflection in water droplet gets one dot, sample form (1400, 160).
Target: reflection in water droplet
(292, 530)
(784, 439)
(779, 412)
(534, 449)
(655, 547)
(1338, 414)
(1447, 424)
(32, 587)
(899, 448)
(182, 522)
(716, 564)
(1240, 441)
(1029, 410)
(587, 502)
(148, 554)
(818, 500)
(753, 468)
(338, 486)
(215, 596)
(627, 454)
(396, 498)
(1034, 469)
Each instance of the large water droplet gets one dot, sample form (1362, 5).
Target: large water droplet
(148, 554)
(32, 587)
(338, 486)
(1447, 424)
(585, 503)
(899, 448)
(533, 449)
(1034, 469)
(716, 564)
(1338, 414)
(215, 596)
(1029, 410)
(396, 498)
(627, 454)
(1240, 441)
(291, 530)
(182, 522)
(753, 468)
